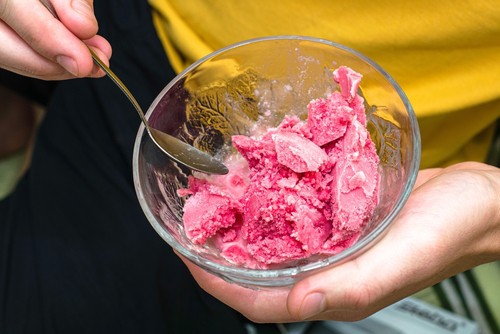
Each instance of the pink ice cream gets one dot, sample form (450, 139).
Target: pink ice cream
(301, 189)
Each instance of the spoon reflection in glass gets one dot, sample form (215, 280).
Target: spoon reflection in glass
(174, 148)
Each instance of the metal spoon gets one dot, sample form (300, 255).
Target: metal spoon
(176, 149)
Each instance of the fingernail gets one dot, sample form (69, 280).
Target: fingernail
(82, 7)
(68, 64)
(313, 304)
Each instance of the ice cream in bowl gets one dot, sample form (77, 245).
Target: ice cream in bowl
(322, 148)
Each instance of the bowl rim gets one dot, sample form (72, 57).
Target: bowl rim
(348, 253)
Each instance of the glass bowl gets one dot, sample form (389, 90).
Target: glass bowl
(225, 92)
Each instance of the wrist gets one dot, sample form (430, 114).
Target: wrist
(488, 195)
(494, 176)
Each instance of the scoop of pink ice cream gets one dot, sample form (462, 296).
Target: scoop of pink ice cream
(298, 153)
(328, 118)
(214, 203)
(303, 188)
(348, 81)
(207, 213)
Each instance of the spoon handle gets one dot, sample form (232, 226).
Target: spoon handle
(106, 70)
(120, 85)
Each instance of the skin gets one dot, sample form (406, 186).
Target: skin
(450, 223)
(35, 44)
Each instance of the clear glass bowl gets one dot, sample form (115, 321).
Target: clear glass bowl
(225, 92)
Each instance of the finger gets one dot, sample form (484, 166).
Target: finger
(102, 49)
(77, 16)
(261, 306)
(101, 46)
(338, 296)
(18, 57)
(48, 36)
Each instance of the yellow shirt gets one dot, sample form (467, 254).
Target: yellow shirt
(444, 54)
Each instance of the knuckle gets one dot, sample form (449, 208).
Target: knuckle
(42, 72)
(5, 9)
(34, 40)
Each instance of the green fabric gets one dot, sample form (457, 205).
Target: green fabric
(488, 278)
(9, 171)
